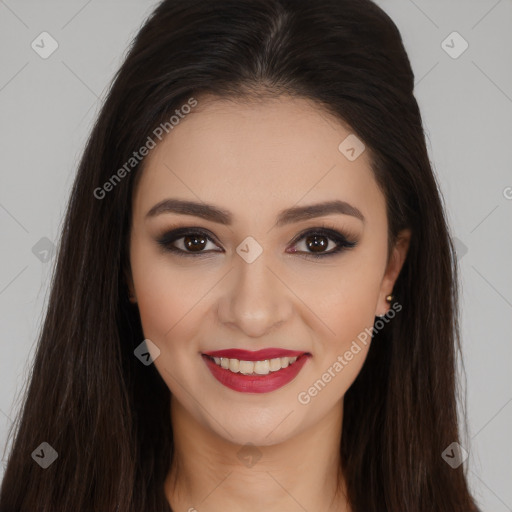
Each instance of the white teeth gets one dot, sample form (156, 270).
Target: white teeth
(254, 367)
(262, 367)
(234, 365)
(246, 367)
(275, 364)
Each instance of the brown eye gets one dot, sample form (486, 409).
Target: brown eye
(317, 243)
(321, 242)
(195, 243)
(186, 242)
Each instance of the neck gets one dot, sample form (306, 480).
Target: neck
(212, 474)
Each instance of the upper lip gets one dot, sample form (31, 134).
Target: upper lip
(258, 355)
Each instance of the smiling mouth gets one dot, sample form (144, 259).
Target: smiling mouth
(258, 375)
(254, 368)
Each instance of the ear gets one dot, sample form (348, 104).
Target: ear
(395, 263)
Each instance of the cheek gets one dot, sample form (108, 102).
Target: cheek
(343, 299)
(343, 296)
(169, 305)
(165, 297)
(347, 308)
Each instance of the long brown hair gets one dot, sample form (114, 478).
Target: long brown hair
(105, 413)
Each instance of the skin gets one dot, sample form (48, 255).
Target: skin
(256, 159)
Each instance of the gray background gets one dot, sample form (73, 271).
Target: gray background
(48, 106)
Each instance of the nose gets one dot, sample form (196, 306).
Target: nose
(256, 300)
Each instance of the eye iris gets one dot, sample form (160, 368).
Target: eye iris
(316, 245)
(195, 242)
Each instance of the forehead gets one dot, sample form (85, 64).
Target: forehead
(255, 153)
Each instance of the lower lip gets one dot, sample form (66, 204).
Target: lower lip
(256, 383)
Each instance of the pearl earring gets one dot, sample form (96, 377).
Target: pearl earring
(389, 298)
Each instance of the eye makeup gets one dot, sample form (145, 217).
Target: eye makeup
(199, 238)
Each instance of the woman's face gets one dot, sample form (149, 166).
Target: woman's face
(243, 274)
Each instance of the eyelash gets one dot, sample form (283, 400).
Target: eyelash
(329, 232)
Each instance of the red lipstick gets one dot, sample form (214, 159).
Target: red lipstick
(259, 355)
(255, 383)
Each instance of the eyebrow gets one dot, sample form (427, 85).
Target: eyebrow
(221, 216)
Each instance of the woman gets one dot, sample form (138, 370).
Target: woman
(306, 360)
